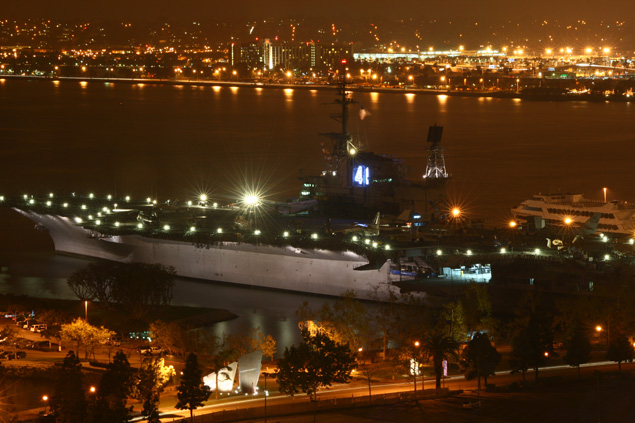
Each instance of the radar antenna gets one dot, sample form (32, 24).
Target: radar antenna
(435, 168)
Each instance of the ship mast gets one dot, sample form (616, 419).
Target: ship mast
(342, 142)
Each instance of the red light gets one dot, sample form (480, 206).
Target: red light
(343, 61)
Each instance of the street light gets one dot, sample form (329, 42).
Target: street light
(45, 398)
(86, 310)
(265, 374)
(414, 366)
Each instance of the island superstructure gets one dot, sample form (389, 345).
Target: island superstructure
(357, 182)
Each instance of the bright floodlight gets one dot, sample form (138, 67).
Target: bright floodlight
(117, 224)
(83, 206)
(631, 241)
(48, 203)
(607, 257)
(512, 223)
(139, 225)
(78, 220)
(352, 151)
(192, 229)
(387, 247)
(285, 234)
(456, 212)
(537, 251)
(97, 222)
(355, 239)
(503, 250)
(65, 205)
(166, 227)
(219, 230)
(251, 200)
(567, 220)
(257, 232)
(439, 252)
(469, 252)
(127, 198)
(314, 236)
(203, 198)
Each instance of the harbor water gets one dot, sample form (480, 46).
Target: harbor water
(170, 141)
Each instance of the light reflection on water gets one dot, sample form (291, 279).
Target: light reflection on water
(44, 275)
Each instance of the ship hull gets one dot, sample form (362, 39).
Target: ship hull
(311, 271)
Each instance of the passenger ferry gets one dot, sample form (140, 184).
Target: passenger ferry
(559, 209)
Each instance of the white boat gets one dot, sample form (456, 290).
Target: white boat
(315, 271)
(544, 210)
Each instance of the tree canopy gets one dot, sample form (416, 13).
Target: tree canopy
(315, 363)
(191, 392)
(479, 358)
(136, 288)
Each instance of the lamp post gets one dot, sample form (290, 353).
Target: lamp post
(45, 398)
(265, 374)
(86, 310)
(414, 367)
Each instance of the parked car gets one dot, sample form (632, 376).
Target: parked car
(10, 355)
(40, 345)
(148, 350)
(38, 327)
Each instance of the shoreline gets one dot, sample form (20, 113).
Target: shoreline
(335, 87)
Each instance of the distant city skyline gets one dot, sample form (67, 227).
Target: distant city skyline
(207, 9)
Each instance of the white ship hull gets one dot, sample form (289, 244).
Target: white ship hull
(295, 269)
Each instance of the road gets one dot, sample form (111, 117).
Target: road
(359, 388)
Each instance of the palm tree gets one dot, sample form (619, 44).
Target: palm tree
(438, 346)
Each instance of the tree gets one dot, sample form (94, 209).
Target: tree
(344, 322)
(578, 346)
(152, 378)
(620, 349)
(439, 347)
(168, 335)
(531, 345)
(112, 393)
(315, 363)
(382, 317)
(259, 341)
(10, 336)
(477, 308)
(68, 403)
(192, 392)
(136, 288)
(221, 359)
(479, 358)
(84, 334)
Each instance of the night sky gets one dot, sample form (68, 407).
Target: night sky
(218, 10)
